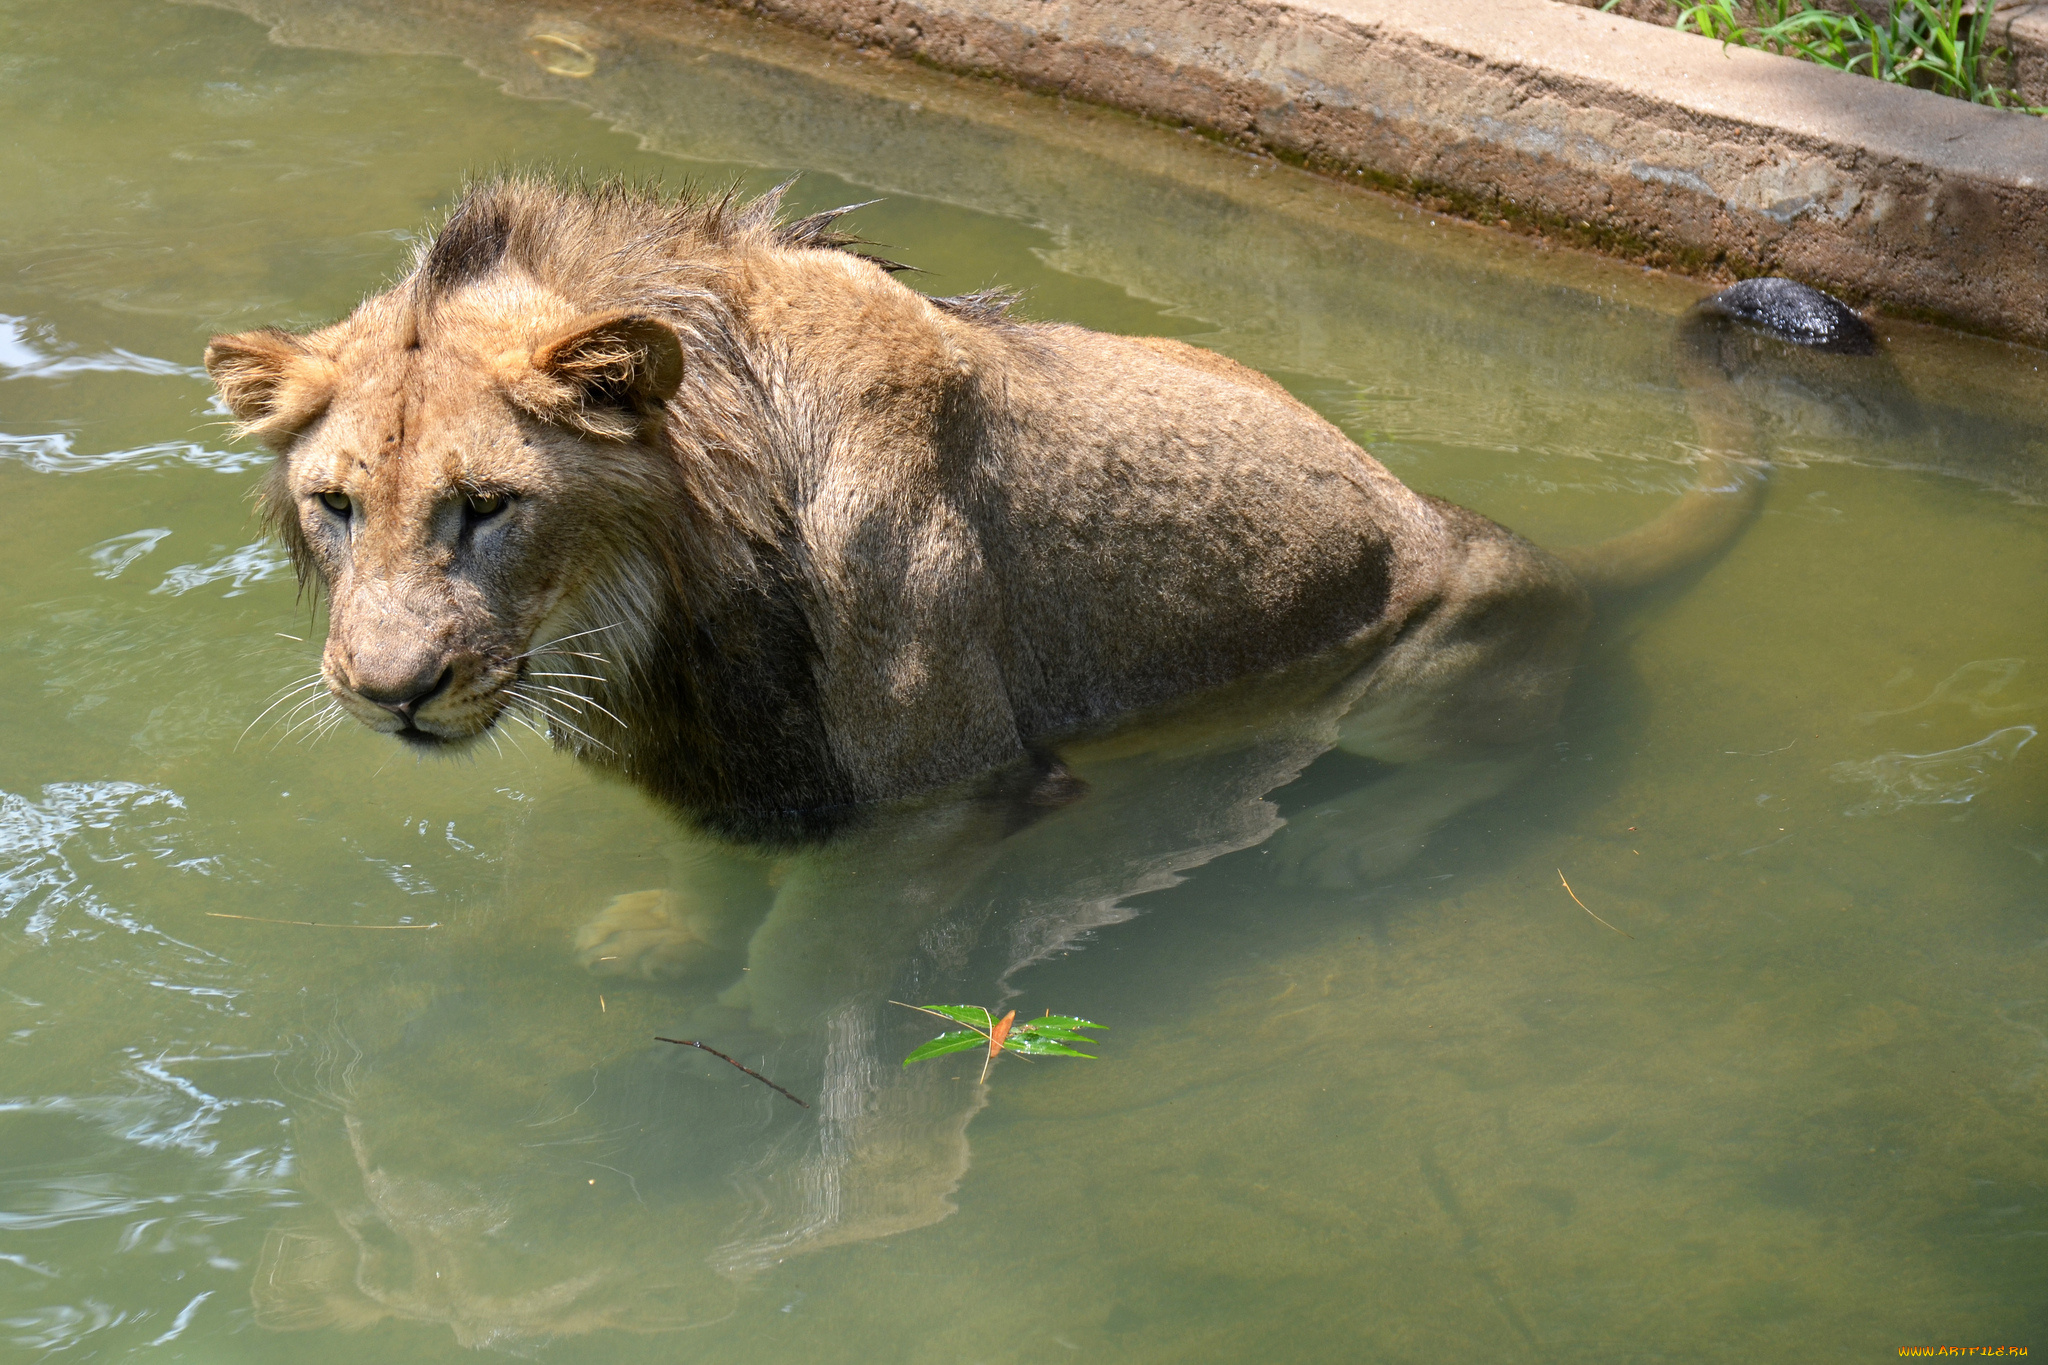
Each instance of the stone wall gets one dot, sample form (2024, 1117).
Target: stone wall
(1554, 119)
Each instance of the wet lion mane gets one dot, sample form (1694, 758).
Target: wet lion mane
(705, 614)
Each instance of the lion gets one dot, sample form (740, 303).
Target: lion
(808, 541)
(725, 510)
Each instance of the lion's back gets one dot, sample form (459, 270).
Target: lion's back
(1170, 520)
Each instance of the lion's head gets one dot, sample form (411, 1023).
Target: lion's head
(452, 476)
(484, 461)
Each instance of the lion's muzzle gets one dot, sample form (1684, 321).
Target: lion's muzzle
(412, 685)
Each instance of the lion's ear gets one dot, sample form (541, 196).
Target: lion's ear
(607, 374)
(268, 379)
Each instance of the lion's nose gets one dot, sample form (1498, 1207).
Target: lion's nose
(404, 698)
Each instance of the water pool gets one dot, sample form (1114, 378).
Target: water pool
(1795, 1112)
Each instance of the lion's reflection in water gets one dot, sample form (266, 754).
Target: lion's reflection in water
(477, 1156)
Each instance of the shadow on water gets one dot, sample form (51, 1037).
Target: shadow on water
(423, 1081)
(402, 1099)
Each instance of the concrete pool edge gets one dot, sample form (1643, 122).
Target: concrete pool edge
(1553, 119)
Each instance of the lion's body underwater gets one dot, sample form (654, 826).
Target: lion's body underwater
(751, 523)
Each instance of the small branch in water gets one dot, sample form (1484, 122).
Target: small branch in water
(314, 924)
(691, 1042)
(1587, 908)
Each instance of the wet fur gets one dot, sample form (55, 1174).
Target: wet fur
(859, 544)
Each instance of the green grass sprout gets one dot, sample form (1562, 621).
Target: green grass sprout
(1937, 45)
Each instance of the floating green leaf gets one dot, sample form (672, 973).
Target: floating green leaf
(1033, 1046)
(948, 1042)
(1046, 1036)
(1057, 1023)
(974, 1016)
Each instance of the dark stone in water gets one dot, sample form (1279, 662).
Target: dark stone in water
(1794, 313)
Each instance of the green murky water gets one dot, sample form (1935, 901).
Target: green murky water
(1796, 1114)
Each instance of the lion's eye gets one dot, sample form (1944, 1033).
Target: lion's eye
(483, 505)
(337, 501)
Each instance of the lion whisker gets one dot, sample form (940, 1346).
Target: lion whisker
(294, 684)
(318, 715)
(536, 673)
(512, 713)
(329, 722)
(560, 653)
(564, 639)
(491, 728)
(537, 733)
(312, 681)
(588, 701)
(553, 718)
(523, 690)
(313, 719)
(290, 718)
(290, 690)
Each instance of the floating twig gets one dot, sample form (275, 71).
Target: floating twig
(315, 924)
(1585, 907)
(692, 1042)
